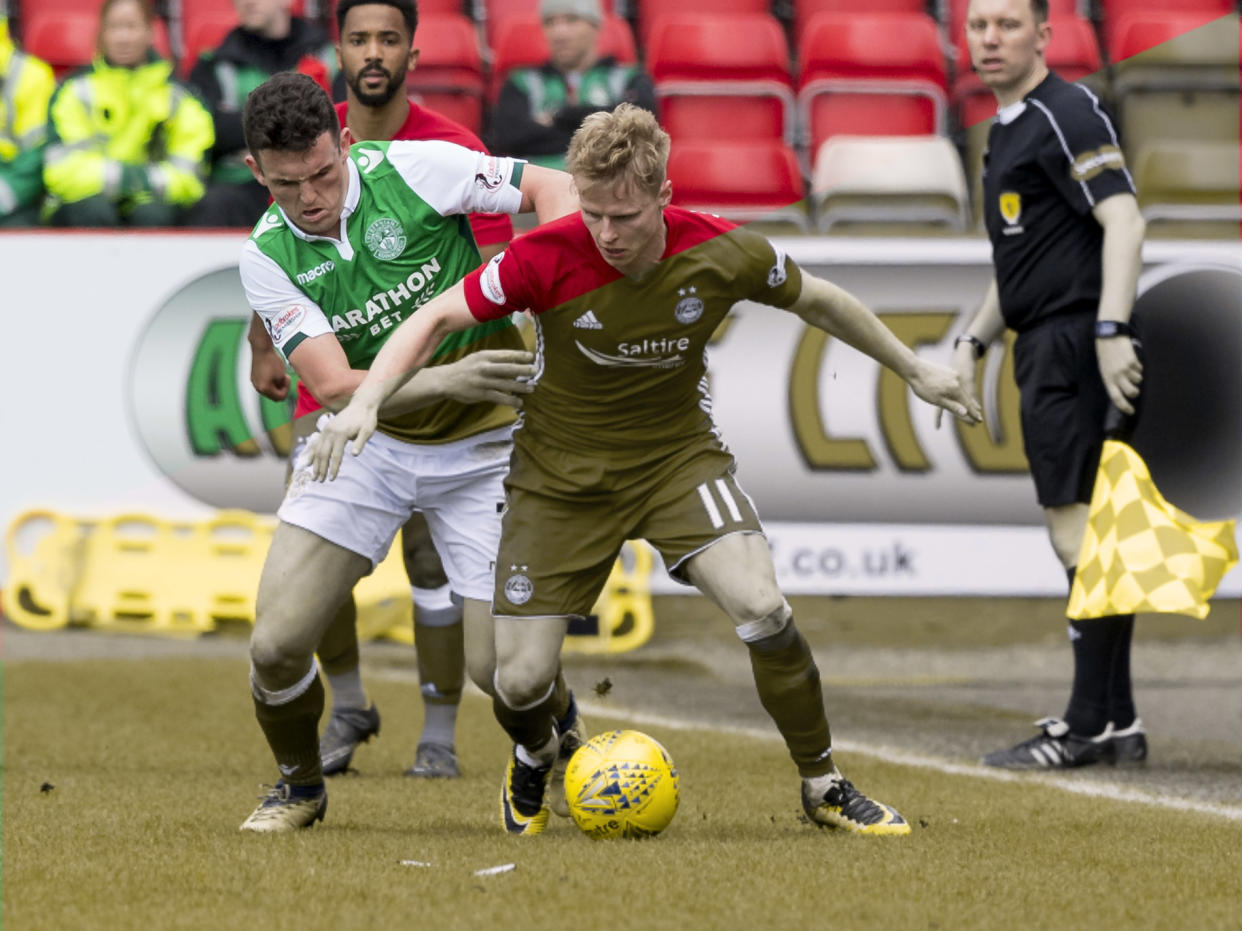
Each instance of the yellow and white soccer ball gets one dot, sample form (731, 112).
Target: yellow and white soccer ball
(622, 784)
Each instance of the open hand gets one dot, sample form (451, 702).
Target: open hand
(963, 366)
(355, 422)
(496, 376)
(947, 389)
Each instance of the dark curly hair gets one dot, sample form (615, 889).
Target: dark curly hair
(288, 112)
(407, 8)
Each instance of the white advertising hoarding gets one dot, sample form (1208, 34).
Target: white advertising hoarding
(125, 377)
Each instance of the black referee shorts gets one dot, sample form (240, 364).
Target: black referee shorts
(1064, 407)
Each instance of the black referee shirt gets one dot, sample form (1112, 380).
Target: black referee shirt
(1051, 158)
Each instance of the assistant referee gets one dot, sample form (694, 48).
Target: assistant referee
(1066, 236)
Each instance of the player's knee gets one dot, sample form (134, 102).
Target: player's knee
(758, 627)
(482, 672)
(276, 661)
(524, 681)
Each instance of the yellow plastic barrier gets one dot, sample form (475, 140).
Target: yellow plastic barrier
(143, 574)
(44, 552)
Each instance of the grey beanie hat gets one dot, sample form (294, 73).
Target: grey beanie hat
(586, 9)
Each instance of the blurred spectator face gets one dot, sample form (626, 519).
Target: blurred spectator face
(571, 41)
(1006, 44)
(268, 18)
(308, 186)
(375, 53)
(124, 33)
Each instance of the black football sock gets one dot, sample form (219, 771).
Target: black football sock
(789, 688)
(290, 722)
(1121, 709)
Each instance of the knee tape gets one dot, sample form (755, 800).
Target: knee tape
(767, 626)
(278, 697)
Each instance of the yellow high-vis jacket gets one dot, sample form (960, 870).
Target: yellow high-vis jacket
(26, 86)
(126, 133)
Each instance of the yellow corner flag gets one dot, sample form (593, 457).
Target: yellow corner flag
(1140, 553)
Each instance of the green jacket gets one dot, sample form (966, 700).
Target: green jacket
(26, 86)
(126, 133)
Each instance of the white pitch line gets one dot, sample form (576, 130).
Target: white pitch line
(902, 758)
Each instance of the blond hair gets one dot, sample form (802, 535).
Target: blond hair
(624, 145)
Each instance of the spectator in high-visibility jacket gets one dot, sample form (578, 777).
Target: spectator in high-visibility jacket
(127, 143)
(26, 86)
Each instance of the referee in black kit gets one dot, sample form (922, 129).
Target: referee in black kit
(1066, 236)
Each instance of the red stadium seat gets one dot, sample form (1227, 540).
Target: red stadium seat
(651, 11)
(1112, 12)
(202, 32)
(449, 76)
(871, 75)
(1135, 31)
(740, 180)
(1073, 53)
(520, 43)
(66, 39)
(722, 77)
(805, 10)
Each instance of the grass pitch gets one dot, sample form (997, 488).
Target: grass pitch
(125, 783)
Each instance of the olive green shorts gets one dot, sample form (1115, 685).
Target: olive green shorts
(556, 552)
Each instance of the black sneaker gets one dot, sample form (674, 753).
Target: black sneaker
(347, 728)
(522, 809)
(1130, 745)
(1055, 748)
(844, 807)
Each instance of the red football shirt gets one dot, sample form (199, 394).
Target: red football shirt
(488, 228)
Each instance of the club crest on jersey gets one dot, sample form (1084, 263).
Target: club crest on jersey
(385, 238)
(518, 587)
(1010, 206)
(689, 308)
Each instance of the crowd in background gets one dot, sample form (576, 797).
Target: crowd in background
(123, 142)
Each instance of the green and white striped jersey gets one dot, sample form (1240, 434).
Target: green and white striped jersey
(404, 238)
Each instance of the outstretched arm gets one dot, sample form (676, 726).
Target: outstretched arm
(548, 192)
(406, 351)
(827, 307)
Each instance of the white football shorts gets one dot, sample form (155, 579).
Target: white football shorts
(459, 487)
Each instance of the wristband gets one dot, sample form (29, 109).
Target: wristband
(976, 344)
(1107, 329)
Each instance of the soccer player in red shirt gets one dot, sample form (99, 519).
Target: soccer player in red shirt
(617, 441)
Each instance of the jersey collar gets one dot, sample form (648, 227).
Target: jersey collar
(1006, 115)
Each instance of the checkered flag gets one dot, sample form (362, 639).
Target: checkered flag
(1140, 553)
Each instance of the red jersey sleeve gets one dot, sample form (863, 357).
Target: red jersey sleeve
(498, 288)
(491, 228)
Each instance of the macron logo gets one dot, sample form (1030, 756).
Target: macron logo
(588, 321)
